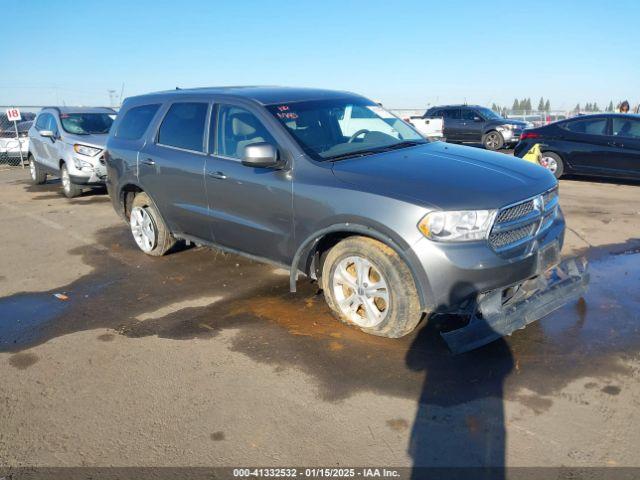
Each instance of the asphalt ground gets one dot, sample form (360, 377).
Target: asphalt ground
(202, 358)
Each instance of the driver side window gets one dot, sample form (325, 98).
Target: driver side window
(235, 129)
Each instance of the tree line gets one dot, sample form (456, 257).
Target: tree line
(545, 106)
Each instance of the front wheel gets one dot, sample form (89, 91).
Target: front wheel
(70, 189)
(552, 162)
(367, 285)
(493, 140)
(38, 176)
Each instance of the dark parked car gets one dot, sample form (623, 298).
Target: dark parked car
(390, 224)
(476, 124)
(605, 145)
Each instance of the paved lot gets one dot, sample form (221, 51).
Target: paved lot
(200, 358)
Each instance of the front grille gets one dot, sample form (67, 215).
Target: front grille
(515, 212)
(517, 224)
(507, 237)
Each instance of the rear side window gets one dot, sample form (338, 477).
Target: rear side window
(183, 126)
(626, 127)
(589, 126)
(452, 114)
(135, 122)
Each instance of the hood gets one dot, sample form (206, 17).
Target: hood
(445, 176)
(513, 121)
(94, 140)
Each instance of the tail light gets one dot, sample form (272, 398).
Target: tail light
(526, 135)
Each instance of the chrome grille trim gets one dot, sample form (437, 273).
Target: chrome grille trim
(521, 222)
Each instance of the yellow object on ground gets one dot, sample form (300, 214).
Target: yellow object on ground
(534, 155)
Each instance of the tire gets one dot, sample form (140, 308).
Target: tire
(149, 231)
(553, 162)
(381, 266)
(70, 189)
(493, 140)
(38, 175)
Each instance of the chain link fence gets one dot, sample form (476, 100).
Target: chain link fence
(14, 136)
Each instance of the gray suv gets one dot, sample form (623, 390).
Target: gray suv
(392, 226)
(68, 142)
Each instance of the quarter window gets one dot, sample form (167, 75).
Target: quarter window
(42, 122)
(183, 126)
(236, 129)
(589, 126)
(626, 127)
(136, 121)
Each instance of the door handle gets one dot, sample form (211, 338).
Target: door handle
(218, 175)
(148, 161)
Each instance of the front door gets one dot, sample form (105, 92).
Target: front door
(471, 127)
(171, 169)
(251, 208)
(625, 140)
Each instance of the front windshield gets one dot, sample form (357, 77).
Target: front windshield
(489, 114)
(340, 128)
(86, 123)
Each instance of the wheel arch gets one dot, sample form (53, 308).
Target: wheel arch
(307, 258)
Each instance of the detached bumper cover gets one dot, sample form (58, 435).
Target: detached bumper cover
(535, 299)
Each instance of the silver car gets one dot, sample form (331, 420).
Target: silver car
(68, 142)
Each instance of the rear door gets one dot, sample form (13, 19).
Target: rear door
(625, 141)
(453, 124)
(171, 168)
(587, 144)
(251, 208)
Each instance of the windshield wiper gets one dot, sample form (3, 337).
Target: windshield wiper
(359, 153)
(405, 144)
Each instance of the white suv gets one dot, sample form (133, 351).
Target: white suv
(68, 142)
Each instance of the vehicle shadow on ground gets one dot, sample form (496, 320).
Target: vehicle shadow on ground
(52, 189)
(460, 420)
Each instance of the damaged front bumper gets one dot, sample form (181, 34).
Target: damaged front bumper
(494, 316)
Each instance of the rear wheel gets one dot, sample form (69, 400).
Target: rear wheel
(70, 189)
(493, 140)
(367, 285)
(147, 227)
(38, 176)
(552, 162)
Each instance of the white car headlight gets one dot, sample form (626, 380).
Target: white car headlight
(457, 226)
(86, 150)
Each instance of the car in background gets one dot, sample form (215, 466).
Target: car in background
(68, 142)
(476, 124)
(12, 149)
(531, 120)
(606, 145)
(429, 127)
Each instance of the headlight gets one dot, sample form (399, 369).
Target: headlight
(86, 150)
(80, 164)
(457, 226)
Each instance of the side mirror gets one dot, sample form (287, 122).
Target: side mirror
(260, 155)
(48, 134)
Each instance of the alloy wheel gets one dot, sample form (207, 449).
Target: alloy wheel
(550, 164)
(361, 291)
(66, 181)
(32, 169)
(143, 229)
(492, 142)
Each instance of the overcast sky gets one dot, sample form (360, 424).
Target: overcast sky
(406, 54)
